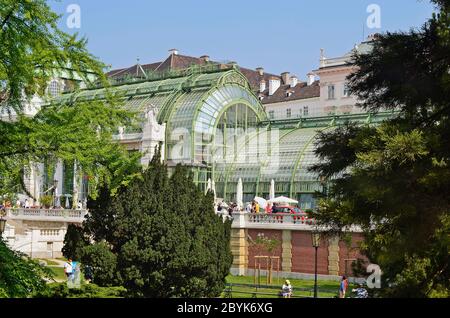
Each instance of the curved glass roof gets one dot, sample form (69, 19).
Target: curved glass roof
(282, 155)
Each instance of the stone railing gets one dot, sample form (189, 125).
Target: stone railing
(55, 215)
(336, 61)
(280, 221)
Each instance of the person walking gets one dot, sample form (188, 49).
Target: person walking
(68, 268)
(343, 287)
(88, 275)
(256, 207)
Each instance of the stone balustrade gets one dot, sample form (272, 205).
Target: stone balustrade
(279, 221)
(51, 215)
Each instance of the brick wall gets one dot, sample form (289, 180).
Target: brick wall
(303, 254)
(258, 251)
(346, 253)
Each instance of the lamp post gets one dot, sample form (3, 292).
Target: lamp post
(315, 234)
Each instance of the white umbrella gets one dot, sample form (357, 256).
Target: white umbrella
(67, 202)
(261, 201)
(272, 190)
(240, 194)
(284, 200)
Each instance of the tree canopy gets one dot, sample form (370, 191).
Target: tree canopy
(19, 275)
(34, 51)
(160, 236)
(393, 179)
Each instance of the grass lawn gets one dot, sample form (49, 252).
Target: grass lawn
(49, 262)
(326, 288)
(58, 273)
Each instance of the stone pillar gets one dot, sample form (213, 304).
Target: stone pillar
(286, 251)
(333, 256)
(239, 249)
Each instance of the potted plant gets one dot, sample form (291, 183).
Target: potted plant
(46, 201)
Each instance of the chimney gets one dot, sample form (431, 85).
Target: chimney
(311, 78)
(294, 81)
(262, 86)
(205, 58)
(274, 85)
(260, 70)
(173, 52)
(285, 77)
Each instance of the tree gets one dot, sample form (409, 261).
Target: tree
(103, 263)
(19, 275)
(165, 235)
(393, 180)
(74, 241)
(33, 51)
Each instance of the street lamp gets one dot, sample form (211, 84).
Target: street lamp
(315, 235)
(2, 221)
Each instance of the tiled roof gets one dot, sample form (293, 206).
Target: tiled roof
(300, 91)
(177, 61)
(254, 77)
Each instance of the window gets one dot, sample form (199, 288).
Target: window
(331, 92)
(346, 92)
(54, 88)
(288, 113)
(271, 114)
(305, 111)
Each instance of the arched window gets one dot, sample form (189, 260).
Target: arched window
(54, 88)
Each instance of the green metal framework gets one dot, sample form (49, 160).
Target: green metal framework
(207, 109)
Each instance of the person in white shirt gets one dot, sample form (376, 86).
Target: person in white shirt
(287, 289)
(68, 268)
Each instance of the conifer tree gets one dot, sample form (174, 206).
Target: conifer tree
(163, 230)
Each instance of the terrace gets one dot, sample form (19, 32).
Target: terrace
(50, 215)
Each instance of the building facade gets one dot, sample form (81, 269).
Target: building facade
(227, 123)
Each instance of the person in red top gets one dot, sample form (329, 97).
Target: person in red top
(343, 287)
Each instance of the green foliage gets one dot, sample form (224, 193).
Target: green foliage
(74, 241)
(19, 275)
(393, 180)
(46, 200)
(33, 51)
(266, 244)
(60, 290)
(103, 263)
(165, 235)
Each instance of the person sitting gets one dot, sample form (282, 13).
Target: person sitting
(286, 290)
(361, 292)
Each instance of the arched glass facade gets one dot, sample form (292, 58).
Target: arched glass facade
(216, 125)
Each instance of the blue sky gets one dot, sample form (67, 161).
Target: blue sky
(277, 35)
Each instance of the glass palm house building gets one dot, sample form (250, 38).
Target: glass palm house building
(210, 117)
